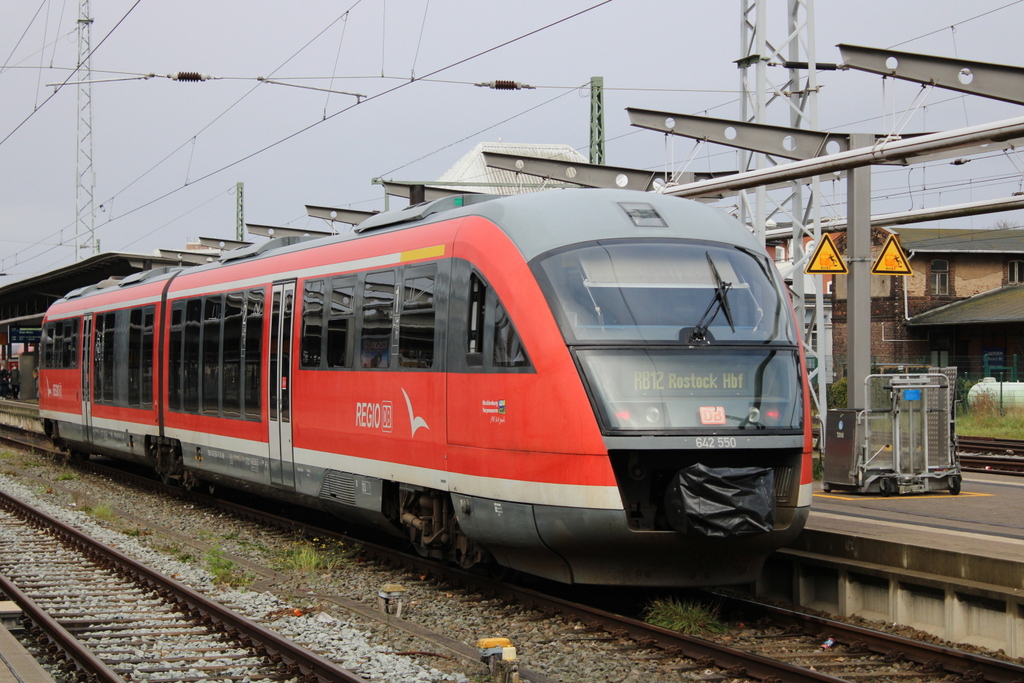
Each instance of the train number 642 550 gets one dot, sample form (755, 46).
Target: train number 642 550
(716, 442)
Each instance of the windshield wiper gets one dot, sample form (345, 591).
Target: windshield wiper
(719, 303)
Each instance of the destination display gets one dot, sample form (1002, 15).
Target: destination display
(671, 390)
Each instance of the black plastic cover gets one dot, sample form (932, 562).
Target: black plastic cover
(721, 502)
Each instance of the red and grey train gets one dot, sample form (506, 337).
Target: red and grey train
(594, 386)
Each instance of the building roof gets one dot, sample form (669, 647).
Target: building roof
(25, 301)
(1003, 305)
(995, 240)
(471, 167)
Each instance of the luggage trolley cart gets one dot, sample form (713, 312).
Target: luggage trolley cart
(903, 442)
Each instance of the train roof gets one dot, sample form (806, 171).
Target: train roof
(536, 223)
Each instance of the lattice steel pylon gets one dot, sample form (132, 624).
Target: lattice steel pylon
(800, 204)
(85, 222)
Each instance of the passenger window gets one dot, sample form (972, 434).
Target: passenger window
(378, 311)
(190, 370)
(312, 324)
(69, 352)
(340, 322)
(252, 354)
(105, 366)
(135, 358)
(490, 331)
(174, 372)
(417, 321)
(214, 311)
(148, 314)
(508, 349)
(477, 310)
(231, 366)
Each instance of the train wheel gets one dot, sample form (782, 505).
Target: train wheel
(954, 484)
(886, 486)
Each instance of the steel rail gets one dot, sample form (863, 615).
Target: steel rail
(708, 653)
(84, 659)
(987, 444)
(954, 661)
(296, 659)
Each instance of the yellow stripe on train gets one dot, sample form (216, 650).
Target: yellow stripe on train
(426, 252)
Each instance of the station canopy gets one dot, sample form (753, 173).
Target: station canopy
(23, 303)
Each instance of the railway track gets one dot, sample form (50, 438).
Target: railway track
(994, 456)
(110, 617)
(781, 645)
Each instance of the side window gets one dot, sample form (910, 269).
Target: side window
(191, 365)
(493, 342)
(508, 349)
(1015, 276)
(106, 368)
(46, 346)
(212, 317)
(940, 277)
(99, 321)
(418, 318)
(135, 358)
(231, 360)
(378, 312)
(341, 321)
(69, 350)
(174, 374)
(312, 324)
(252, 353)
(148, 314)
(475, 329)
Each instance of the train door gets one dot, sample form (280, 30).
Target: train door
(282, 462)
(87, 356)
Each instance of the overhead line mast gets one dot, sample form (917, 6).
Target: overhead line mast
(85, 221)
(801, 209)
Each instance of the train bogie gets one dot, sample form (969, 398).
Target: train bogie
(596, 387)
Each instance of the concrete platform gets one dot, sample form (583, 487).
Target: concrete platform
(16, 664)
(21, 415)
(949, 565)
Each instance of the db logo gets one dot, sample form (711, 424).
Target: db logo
(375, 416)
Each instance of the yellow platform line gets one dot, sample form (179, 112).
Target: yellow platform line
(931, 495)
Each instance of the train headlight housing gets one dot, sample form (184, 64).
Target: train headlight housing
(639, 416)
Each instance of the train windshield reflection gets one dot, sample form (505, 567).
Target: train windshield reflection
(666, 291)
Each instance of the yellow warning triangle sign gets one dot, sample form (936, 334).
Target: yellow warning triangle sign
(892, 260)
(826, 259)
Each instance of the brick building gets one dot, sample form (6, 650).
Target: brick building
(963, 305)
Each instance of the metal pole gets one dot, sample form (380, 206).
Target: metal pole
(239, 212)
(858, 290)
(597, 120)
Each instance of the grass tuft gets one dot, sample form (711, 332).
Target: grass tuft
(103, 512)
(225, 571)
(318, 555)
(67, 476)
(690, 618)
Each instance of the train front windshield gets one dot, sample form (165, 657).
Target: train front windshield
(678, 336)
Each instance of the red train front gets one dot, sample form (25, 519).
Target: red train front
(593, 386)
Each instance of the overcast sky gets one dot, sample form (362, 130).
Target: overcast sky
(167, 154)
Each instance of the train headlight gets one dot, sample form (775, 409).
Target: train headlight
(653, 415)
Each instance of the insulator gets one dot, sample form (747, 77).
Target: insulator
(189, 76)
(506, 85)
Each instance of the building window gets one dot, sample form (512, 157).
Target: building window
(1015, 276)
(940, 277)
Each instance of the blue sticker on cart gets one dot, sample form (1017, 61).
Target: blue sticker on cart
(911, 394)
